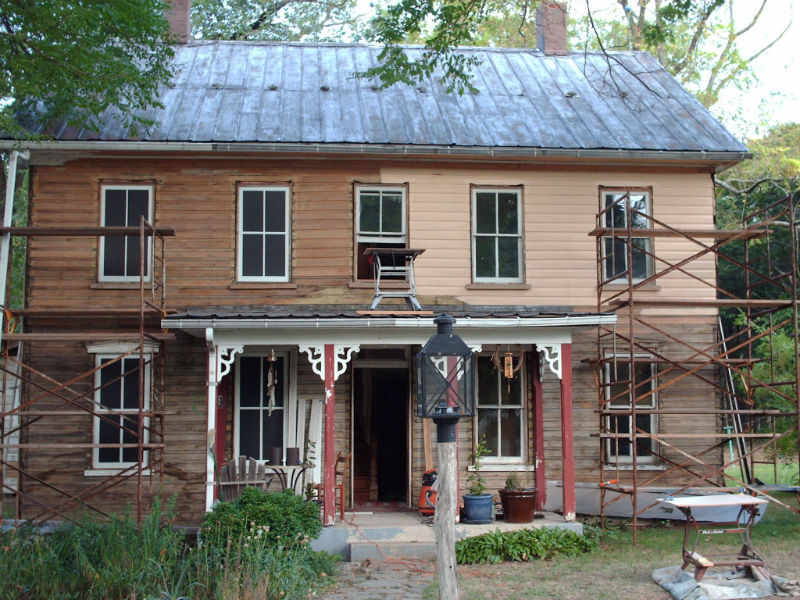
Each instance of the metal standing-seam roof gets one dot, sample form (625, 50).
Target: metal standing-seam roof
(262, 92)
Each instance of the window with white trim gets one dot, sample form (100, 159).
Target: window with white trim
(116, 397)
(264, 233)
(500, 413)
(124, 206)
(496, 236)
(615, 248)
(380, 223)
(261, 398)
(618, 397)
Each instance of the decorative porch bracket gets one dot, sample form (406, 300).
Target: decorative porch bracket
(552, 355)
(329, 361)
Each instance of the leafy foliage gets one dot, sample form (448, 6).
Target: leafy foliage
(476, 482)
(286, 20)
(280, 518)
(74, 60)
(523, 545)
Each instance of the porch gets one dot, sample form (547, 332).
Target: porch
(405, 534)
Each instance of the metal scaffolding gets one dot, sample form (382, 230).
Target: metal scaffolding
(43, 400)
(764, 253)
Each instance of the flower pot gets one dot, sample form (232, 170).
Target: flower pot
(274, 455)
(478, 509)
(292, 456)
(519, 506)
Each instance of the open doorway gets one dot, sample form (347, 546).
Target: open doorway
(380, 436)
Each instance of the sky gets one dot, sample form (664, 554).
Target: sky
(775, 97)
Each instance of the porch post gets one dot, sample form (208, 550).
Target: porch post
(329, 480)
(567, 450)
(211, 416)
(538, 435)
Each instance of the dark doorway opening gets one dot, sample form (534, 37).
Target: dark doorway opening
(380, 422)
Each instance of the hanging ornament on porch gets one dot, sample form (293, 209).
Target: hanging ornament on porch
(506, 365)
(272, 381)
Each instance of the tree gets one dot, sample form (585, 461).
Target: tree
(287, 20)
(74, 59)
(695, 40)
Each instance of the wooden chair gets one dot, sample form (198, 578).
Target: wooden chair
(237, 474)
(341, 468)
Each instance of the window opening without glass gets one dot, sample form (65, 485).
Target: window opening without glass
(496, 236)
(380, 223)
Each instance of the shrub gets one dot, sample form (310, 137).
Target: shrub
(281, 519)
(523, 545)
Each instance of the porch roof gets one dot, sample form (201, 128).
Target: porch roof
(348, 324)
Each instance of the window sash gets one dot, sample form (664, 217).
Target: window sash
(365, 233)
(263, 249)
(121, 254)
(614, 249)
(252, 416)
(128, 369)
(620, 449)
(506, 406)
(490, 243)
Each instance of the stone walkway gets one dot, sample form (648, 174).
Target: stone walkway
(391, 579)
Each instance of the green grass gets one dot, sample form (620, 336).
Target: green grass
(620, 570)
(787, 473)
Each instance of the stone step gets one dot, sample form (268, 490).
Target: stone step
(380, 550)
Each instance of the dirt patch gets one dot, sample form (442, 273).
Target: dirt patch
(383, 580)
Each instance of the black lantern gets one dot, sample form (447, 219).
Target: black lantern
(445, 379)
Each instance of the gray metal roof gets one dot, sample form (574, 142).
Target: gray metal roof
(261, 92)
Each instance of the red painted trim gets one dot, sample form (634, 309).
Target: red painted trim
(567, 449)
(538, 434)
(329, 479)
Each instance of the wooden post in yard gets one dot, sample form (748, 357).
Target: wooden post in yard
(444, 518)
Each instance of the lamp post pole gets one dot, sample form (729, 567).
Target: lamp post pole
(444, 517)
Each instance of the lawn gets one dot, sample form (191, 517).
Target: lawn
(620, 570)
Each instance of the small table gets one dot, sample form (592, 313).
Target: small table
(396, 264)
(288, 474)
(745, 519)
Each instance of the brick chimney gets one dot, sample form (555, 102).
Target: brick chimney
(180, 22)
(551, 27)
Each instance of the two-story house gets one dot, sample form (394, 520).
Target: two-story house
(275, 169)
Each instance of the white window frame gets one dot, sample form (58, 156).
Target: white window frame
(648, 240)
(653, 384)
(379, 237)
(520, 252)
(289, 399)
(287, 233)
(504, 460)
(149, 240)
(106, 466)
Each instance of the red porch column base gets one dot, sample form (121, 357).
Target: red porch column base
(567, 450)
(329, 479)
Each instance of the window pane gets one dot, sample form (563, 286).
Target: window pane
(510, 431)
(111, 385)
(137, 206)
(114, 256)
(130, 387)
(273, 430)
(252, 211)
(641, 260)
(487, 427)
(507, 221)
(252, 255)
(115, 208)
(249, 434)
(616, 216)
(615, 257)
(250, 381)
(487, 381)
(369, 215)
(109, 434)
(275, 255)
(130, 435)
(511, 397)
(639, 204)
(485, 256)
(508, 248)
(644, 445)
(485, 218)
(644, 384)
(279, 380)
(392, 215)
(132, 257)
(276, 211)
(620, 446)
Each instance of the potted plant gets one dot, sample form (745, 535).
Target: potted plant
(519, 505)
(478, 505)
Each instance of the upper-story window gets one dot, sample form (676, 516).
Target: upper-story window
(264, 232)
(124, 206)
(615, 248)
(497, 235)
(380, 223)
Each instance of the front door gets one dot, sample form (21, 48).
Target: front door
(380, 436)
